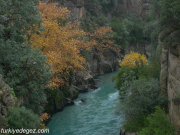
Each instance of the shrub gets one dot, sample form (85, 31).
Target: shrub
(142, 97)
(136, 125)
(19, 118)
(158, 124)
(139, 70)
(133, 58)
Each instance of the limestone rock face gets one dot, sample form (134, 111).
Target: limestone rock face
(173, 88)
(84, 81)
(3, 122)
(170, 82)
(164, 72)
(78, 12)
(104, 62)
(7, 101)
(143, 48)
(124, 132)
(139, 7)
(77, 9)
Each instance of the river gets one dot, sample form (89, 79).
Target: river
(96, 116)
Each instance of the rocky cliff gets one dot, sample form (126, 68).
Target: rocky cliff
(7, 101)
(104, 62)
(140, 7)
(78, 10)
(123, 132)
(82, 81)
(170, 81)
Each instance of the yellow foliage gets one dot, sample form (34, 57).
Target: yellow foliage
(44, 116)
(101, 39)
(59, 43)
(133, 57)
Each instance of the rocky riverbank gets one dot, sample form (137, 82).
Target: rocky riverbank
(7, 101)
(124, 132)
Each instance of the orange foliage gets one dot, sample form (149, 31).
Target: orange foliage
(133, 57)
(59, 43)
(44, 116)
(102, 39)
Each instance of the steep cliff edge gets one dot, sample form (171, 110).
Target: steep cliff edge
(7, 101)
(82, 81)
(170, 82)
(78, 10)
(140, 7)
(104, 62)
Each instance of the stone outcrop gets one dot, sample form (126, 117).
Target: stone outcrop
(143, 48)
(108, 61)
(124, 132)
(78, 11)
(104, 62)
(82, 82)
(170, 82)
(7, 101)
(139, 7)
(77, 8)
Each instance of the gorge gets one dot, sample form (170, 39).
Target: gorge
(96, 116)
(53, 55)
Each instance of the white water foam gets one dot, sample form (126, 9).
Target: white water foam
(96, 90)
(113, 96)
(77, 102)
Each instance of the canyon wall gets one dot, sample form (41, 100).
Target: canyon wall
(170, 82)
(140, 7)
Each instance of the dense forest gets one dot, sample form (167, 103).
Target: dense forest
(43, 50)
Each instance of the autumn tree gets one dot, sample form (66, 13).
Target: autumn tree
(133, 67)
(101, 39)
(133, 58)
(60, 43)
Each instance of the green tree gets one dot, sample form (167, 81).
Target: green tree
(158, 124)
(142, 97)
(19, 118)
(24, 68)
(164, 20)
(128, 31)
(17, 18)
(120, 32)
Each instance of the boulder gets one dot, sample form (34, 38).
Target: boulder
(124, 132)
(7, 101)
(84, 81)
(3, 122)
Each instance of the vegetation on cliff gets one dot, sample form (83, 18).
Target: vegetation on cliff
(139, 93)
(40, 52)
(162, 25)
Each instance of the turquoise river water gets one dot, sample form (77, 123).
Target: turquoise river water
(96, 116)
